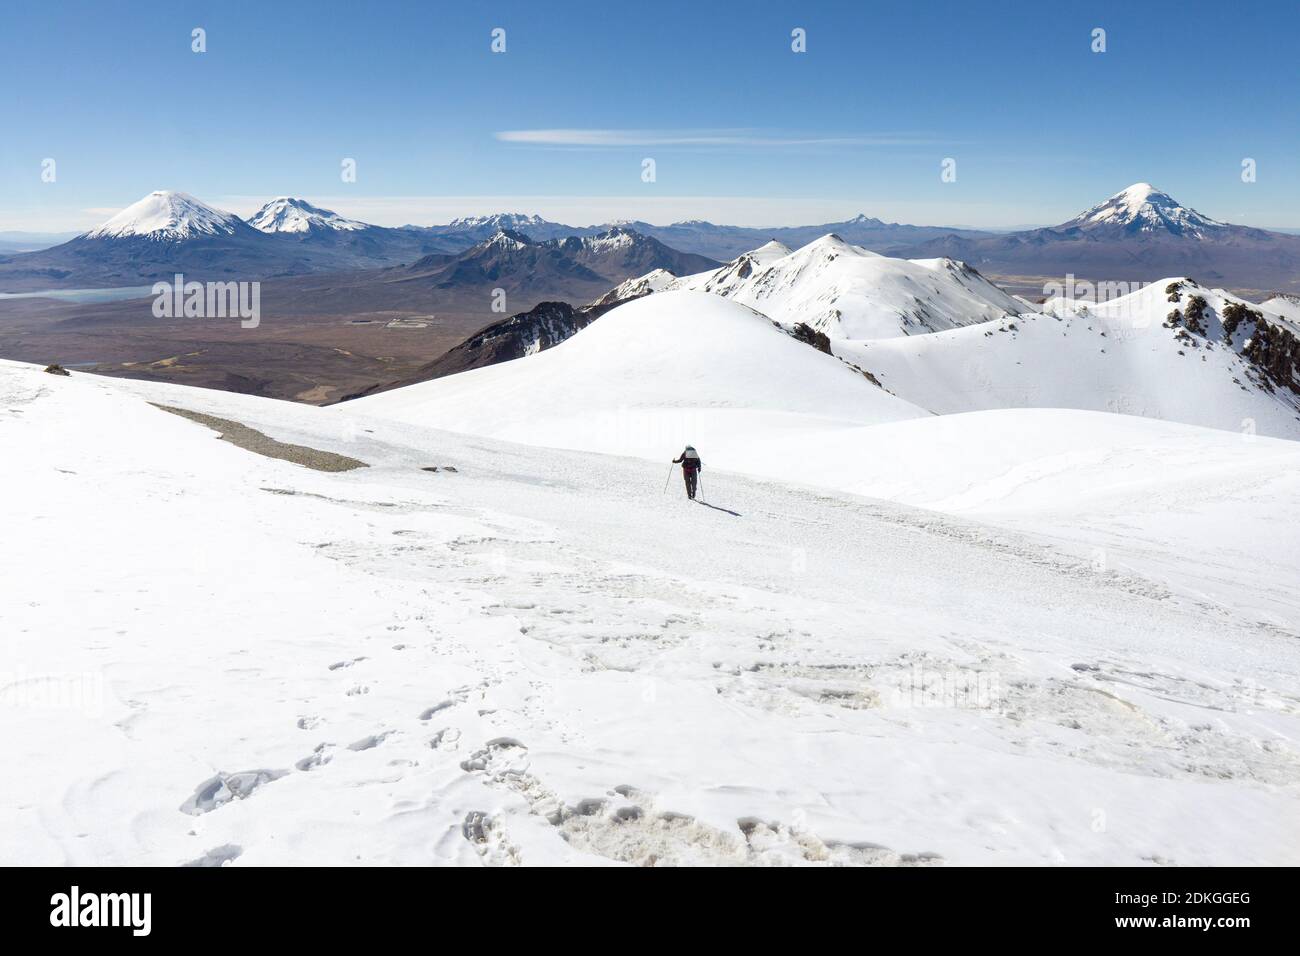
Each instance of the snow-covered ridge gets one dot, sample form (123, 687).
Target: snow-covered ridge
(1285, 304)
(848, 292)
(1172, 350)
(167, 215)
(1144, 208)
(655, 281)
(291, 215)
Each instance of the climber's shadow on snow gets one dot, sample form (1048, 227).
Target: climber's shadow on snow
(719, 508)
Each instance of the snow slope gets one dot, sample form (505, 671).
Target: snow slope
(540, 658)
(1197, 510)
(646, 378)
(1117, 356)
(165, 215)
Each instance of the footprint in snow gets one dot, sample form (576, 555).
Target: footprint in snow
(371, 741)
(217, 856)
(318, 758)
(223, 788)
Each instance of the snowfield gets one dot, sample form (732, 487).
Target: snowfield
(1082, 650)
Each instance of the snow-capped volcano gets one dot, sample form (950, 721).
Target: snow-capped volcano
(287, 214)
(169, 232)
(1137, 235)
(1141, 208)
(166, 216)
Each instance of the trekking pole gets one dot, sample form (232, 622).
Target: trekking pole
(668, 479)
(699, 480)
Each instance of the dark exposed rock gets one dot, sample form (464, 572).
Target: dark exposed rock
(809, 336)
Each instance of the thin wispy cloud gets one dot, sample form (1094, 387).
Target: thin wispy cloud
(700, 137)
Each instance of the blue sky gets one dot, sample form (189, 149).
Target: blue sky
(741, 128)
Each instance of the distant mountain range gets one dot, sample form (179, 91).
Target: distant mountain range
(169, 232)
(576, 268)
(701, 237)
(728, 242)
(1138, 234)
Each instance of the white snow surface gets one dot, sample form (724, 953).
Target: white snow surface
(1089, 655)
(287, 214)
(167, 215)
(1115, 356)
